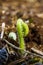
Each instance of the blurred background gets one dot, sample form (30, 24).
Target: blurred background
(11, 10)
(21, 8)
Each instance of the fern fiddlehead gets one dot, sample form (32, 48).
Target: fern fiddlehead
(23, 30)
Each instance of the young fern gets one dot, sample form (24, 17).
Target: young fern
(23, 30)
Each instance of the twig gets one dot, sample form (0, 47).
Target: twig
(21, 60)
(37, 51)
(3, 27)
(17, 61)
(13, 46)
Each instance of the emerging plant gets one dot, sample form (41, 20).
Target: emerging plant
(23, 30)
(12, 35)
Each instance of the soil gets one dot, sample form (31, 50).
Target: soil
(10, 11)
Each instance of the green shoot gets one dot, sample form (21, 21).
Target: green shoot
(23, 30)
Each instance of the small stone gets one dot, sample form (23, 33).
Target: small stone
(3, 11)
(27, 21)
